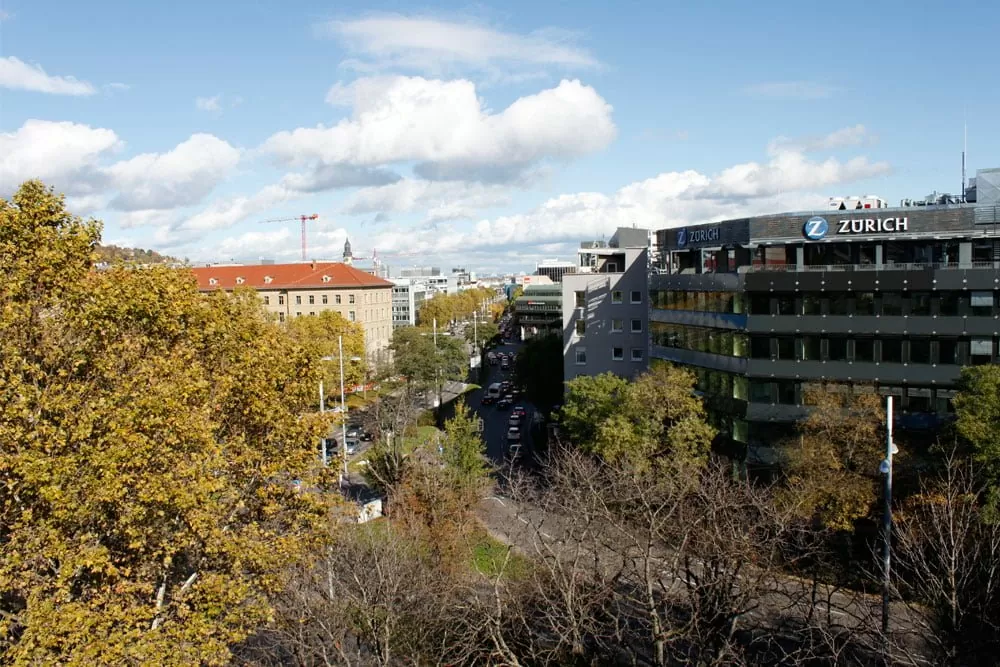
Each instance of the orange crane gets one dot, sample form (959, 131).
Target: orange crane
(302, 219)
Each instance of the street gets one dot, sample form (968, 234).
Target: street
(495, 419)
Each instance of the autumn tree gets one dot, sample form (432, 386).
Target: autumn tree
(320, 336)
(538, 369)
(831, 466)
(464, 452)
(149, 440)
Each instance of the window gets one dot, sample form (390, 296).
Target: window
(298, 313)
(864, 349)
(980, 351)
(325, 299)
(350, 298)
(948, 351)
(281, 299)
(760, 304)
(920, 350)
(618, 354)
(864, 303)
(836, 349)
(892, 303)
(810, 348)
(637, 354)
(581, 356)
(838, 303)
(948, 303)
(760, 347)
(636, 326)
(810, 304)
(786, 347)
(892, 350)
(760, 391)
(786, 304)
(312, 300)
(313, 313)
(581, 327)
(581, 299)
(617, 326)
(351, 316)
(982, 303)
(267, 301)
(336, 299)
(636, 296)
(281, 317)
(298, 300)
(920, 303)
(786, 392)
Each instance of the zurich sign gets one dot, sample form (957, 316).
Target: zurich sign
(682, 237)
(815, 228)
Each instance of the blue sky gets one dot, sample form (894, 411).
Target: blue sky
(481, 136)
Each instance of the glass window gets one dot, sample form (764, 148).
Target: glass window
(336, 298)
(267, 300)
(581, 327)
(892, 350)
(864, 303)
(298, 300)
(838, 303)
(810, 348)
(811, 304)
(312, 300)
(786, 304)
(920, 303)
(892, 303)
(617, 326)
(836, 348)
(786, 392)
(281, 299)
(918, 400)
(637, 354)
(920, 350)
(581, 299)
(980, 351)
(312, 313)
(351, 316)
(350, 298)
(760, 304)
(618, 353)
(864, 349)
(948, 351)
(281, 317)
(298, 313)
(786, 347)
(616, 297)
(982, 251)
(981, 303)
(325, 299)
(581, 356)
(636, 326)
(760, 347)
(948, 303)
(636, 296)
(760, 391)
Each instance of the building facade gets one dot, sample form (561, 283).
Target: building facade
(605, 308)
(538, 310)
(305, 289)
(554, 269)
(887, 300)
(407, 298)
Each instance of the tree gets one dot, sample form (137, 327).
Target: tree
(591, 400)
(539, 370)
(465, 452)
(425, 363)
(319, 336)
(485, 331)
(977, 408)
(150, 439)
(831, 466)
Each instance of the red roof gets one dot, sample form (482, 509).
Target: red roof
(305, 275)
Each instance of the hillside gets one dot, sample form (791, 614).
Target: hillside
(113, 253)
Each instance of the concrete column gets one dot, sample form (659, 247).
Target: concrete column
(800, 257)
(965, 254)
(878, 254)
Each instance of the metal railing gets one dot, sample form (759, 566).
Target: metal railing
(813, 268)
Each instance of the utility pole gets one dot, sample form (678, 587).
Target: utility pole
(475, 332)
(322, 409)
(886, 469)
(343, 412)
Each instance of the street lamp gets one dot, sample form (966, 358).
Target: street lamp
(886, 469)
(343, 408)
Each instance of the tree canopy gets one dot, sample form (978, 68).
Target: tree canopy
(977, 408)
(424, 363)
(539, 370)
(149, 440)
(447, 308)
(318, 335)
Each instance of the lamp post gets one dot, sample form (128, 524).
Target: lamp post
(322, 409)
(343, 409)
(886, 469)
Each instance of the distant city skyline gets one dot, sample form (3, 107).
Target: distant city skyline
(488, 137)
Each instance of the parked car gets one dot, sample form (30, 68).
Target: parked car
(519, 411)
(488, 400)
(514, 434)
(505, 402)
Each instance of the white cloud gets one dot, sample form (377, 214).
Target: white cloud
(427, 44)
(856, 135)
(442, 200)
(793, 90)
(254, 243)
(63, 154)
(180, 177)
(444, 127)
(5, 16)
(228, 212)
(210, 104)
(16, 74)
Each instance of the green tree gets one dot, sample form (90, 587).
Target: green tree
(591, 400)
(149, 439)
(539, 370)
(319, 336)
(832, 465)
(465, 452)
(977, 411)
(483, 332)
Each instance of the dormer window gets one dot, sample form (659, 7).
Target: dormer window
(267, 280)
(240, 280)
(327, 279)
(213, 281)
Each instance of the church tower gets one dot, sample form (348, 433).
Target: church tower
(348, 257)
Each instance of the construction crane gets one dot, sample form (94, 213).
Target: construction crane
(300, 218)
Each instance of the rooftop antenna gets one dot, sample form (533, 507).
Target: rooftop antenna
(965, 148)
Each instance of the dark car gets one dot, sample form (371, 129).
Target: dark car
(519, 411)
(505, 402)
(488, 400)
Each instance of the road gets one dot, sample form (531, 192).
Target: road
(495, 419)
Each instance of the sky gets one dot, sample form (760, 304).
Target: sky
(481, 136)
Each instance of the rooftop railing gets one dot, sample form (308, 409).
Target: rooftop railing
(813, 268)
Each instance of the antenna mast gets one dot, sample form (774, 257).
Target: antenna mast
(965, 147)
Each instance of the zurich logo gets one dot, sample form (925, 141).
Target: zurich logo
(815, 228)
(682, 238)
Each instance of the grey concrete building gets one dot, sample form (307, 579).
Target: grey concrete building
(890, 300)
(407, 298)
(605, 308)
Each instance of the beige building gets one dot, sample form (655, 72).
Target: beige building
(307, 288)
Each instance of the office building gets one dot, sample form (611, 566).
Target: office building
(538, 310)
(554, 269)
(605, 308)
(419, 271)
(893, 300)
(305, 289)
(407, 298)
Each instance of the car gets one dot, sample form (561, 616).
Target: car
(504, 365)
(519, 411)
(506, 386)
(514, 434)
(488, 400)
(514, 420)
(505, 402)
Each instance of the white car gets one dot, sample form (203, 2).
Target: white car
(514, 434)
(514, 420)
